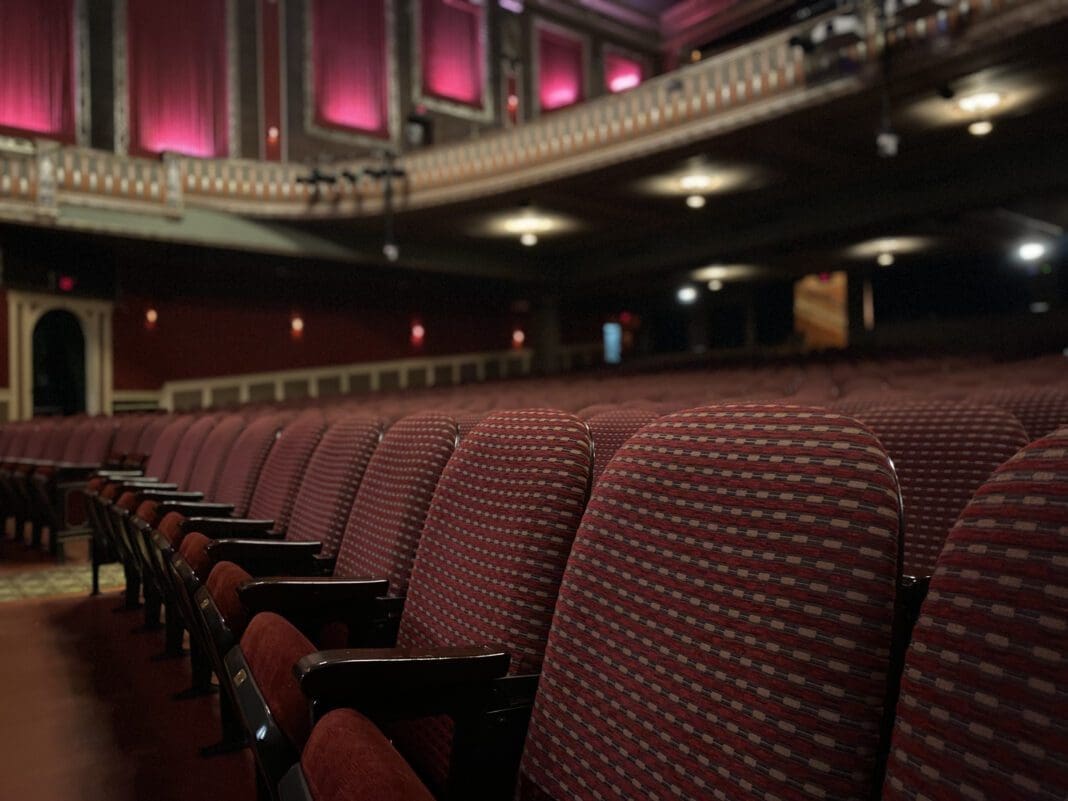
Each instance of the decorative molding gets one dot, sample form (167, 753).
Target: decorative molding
(83, 103)
(120, 88)
(348, 378)
(634, 28)
(739, 87)
(24, 310)
(233, 82)
(486, 114)
(346, 135)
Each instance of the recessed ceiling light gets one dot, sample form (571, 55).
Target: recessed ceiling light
(696, 201)
(885, 259)
(715, 285)
(686, 294)
(1031, 251)
(979, 102)
(528, 239)
(981, 128)
(528, 224)
(696, 182)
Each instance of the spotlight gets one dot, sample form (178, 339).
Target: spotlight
(979, 102)
(686, 295)
(715, 285)
(696, 201)
(885, 259)
(1031, 251)
(528, 240)
(391, 251)
(981, 128)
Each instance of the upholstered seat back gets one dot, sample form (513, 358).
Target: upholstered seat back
(610, 429)
(1041, 410)
(238, 477)
(724, 626)
(97, 445)
(213, 453)
(391, 505)
(943, 452)
(329, 484)
(165, 446)
(284, 468)
(983, 712)
(185, 457)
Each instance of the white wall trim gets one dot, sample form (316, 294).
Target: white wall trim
(24, 310)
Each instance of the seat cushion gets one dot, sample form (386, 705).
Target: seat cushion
(146, 511)
(349, 759)
(272, 645)
(194, 549)
(223, 582)
(127, 501)
(171, 528)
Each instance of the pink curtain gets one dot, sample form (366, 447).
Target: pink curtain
(560, 65)
(176, 67)
(37, 68)
(452, 50)
(350, 65)
(621, 72)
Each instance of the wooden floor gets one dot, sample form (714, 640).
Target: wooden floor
(85, 715)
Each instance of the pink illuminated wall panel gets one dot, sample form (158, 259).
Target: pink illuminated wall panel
(560, 69)
(177, 72)
(621, 72)
(38, 77)
(350, 63)
(452, 50)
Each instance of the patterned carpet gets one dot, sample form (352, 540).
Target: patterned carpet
(58, 580)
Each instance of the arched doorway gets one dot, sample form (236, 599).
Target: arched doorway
(58, 364)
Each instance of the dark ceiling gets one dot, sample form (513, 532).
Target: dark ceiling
(824, 188)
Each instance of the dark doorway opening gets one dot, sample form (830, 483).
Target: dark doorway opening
(58, 365)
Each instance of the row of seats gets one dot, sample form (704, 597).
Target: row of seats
(708, 603)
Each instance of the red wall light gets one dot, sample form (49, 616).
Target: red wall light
(418, 334)
(518, 338)
(151, 318)
(66, 283)
(296, 326)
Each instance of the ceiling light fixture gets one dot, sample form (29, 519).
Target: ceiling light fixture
(715, 285)
(980, 128)
(696, 201)
(979, 102)
(696, 182)
(528, 224)
(885, 259)
(1031, 251)
(528, 240)
(686, 295)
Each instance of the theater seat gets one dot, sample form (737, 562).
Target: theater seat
(610, 428)
(943, 452)
(726, 636)
(982, 707)
(493, 547)
(1042, 411)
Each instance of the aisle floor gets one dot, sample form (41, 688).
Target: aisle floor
(85, 715)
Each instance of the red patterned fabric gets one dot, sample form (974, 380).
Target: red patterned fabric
(128, 434)
(329, 484)
(272, 646)
(76, 439)
(237, 480)
(276, 489)
(194, 549)
(171, 527)
(493, 549)
(97, 445)
(188, 449)
(166, 445)
(151, 433)
(724, 626)
(611, 429)
(982, 713)
(1042, 411)
(213, 453)
(943, 452)
(223, 582)
(394, 496)
(348, 759)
